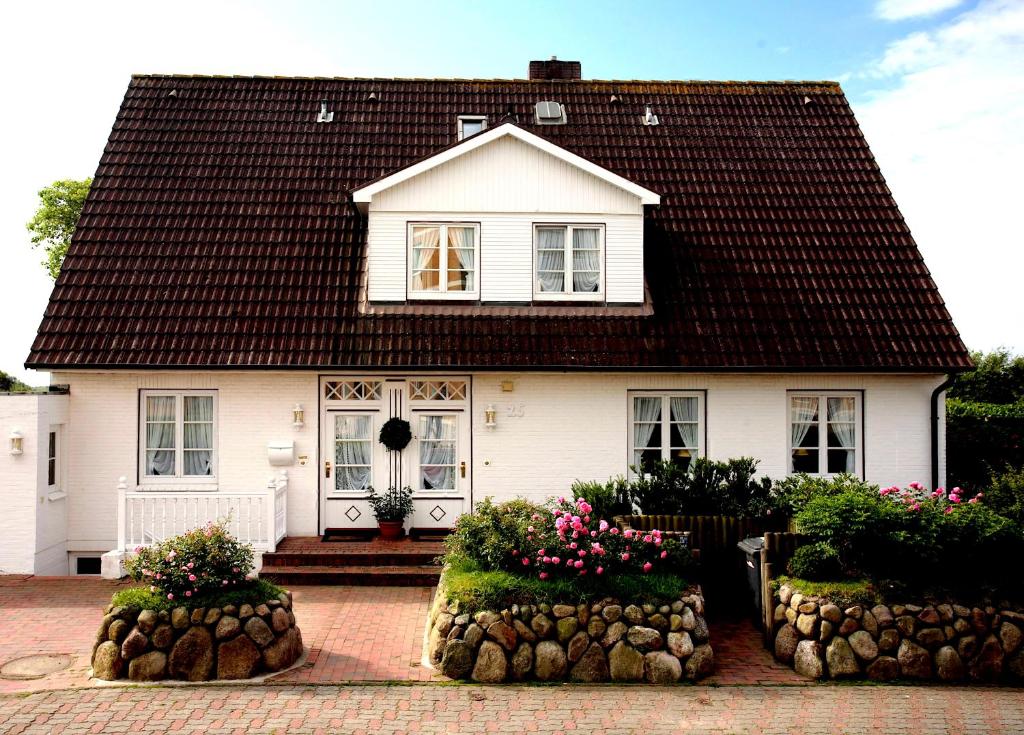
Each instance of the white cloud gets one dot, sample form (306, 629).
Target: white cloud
(904, 9)
(946, 131)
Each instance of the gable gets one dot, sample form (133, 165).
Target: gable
(507, 175)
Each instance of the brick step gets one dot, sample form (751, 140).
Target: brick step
(364, 576)
(349, 558)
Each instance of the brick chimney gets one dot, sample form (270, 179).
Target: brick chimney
(555, 69)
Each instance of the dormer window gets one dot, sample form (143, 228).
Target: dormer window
(569, 262)
(443, 260)
(471, 125)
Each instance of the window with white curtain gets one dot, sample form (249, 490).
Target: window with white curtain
(568, 262)
(178, 435)
(664, 427)
(438, 449)
(353, 452)
(443, 261)
(824, 433)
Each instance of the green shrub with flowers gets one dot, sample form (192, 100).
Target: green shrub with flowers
(520, 551)
(202, 562)
(908, 537)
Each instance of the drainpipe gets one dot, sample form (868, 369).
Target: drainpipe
(948, 382)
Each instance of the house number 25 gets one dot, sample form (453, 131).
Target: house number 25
(515, 410)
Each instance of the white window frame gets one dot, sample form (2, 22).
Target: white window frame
(443, 294)
(568, 295)
(666, 421)
(179, 441)
(373, 415)
(482, 119)
(416, 486)
(823, 396)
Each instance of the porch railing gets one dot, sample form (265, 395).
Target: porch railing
(257, 517)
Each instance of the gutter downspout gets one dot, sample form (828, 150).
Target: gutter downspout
(948, 382)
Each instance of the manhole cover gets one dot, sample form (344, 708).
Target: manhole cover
(36, 666)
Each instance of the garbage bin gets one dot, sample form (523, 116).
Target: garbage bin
(750, 558)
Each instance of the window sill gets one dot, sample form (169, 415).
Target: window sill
(56, 495)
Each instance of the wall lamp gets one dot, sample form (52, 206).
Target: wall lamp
(298, 416)
(17, 442)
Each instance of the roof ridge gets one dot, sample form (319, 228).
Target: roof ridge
(499, 80)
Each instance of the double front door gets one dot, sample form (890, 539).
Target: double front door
(435, 464)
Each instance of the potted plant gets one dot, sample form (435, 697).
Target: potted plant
(391, 508)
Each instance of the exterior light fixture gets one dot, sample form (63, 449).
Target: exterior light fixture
(298, 416)
(490, 416)
(17, 443)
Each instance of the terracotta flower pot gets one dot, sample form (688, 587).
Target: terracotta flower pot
(391, 530)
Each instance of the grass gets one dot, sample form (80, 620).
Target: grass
(475, 589)
(256, 592)
(844, 593)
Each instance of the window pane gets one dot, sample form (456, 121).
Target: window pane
(684, 408)
(841, 460)
(51, 472)
(471, 127)
(807, 435)
(353, 449)
(804, 410)
(198, 462)
(159, 463)
(842, 435)
(806, 460)
(842, 409)
(645, 460)
(683, 435)
(586, 260)
(160, 408)
(52, 451)
(682, 458)
(437, 452)
(198, 408)
(426, 258)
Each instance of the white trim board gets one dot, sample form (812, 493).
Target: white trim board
(365, 194)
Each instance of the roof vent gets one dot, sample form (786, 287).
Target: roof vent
(550, 113)
(807, 100)
(649, 117)
(173, 93)
(324, 116)
(615, 99)
(373, 97)
(555, 69)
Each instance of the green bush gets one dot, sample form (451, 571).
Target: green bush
(252, 592)
(608, 499)
(1005, 494)
(844, 593)
(476, 589)
(487, 536)
(982, 439)
(817, 561)
(199, 562)
(705, 487)
(794, 492)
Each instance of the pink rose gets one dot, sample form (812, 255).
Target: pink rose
(664, 554)
(188, 593)
(515, 552)
(581, 553)
(555, 560)
(543, 575)
(191, 578)
(529, 529)
(170, 596)
(625, 556)
(578, 564)
(526, 561)
(599, 570)
(647, 567)
(614, 531)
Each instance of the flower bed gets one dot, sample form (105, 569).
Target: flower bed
(942, 641)
(198, 644)
(604, 640)
(199, 617)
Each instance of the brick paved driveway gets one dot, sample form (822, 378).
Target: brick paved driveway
(351, 633)
(432, 708)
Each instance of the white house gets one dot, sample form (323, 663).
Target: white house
(551, 279)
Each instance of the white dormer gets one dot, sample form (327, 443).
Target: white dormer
(509, 217)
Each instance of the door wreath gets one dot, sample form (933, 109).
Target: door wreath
(395, 434)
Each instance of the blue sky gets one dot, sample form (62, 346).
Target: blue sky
(937, 85)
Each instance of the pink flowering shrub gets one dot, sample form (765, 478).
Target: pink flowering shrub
(204, 560)
(569, 541)
(564, 540)
(912, 535)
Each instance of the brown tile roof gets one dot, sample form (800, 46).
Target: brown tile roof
(218, 232)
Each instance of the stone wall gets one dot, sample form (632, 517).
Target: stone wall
(943, 642)
(610, 640)
(197, 645)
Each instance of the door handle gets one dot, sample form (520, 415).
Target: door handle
(462, 469)
(327, 468)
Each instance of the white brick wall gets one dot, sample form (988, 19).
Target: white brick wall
(573, 426)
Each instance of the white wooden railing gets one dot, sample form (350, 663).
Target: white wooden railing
(257, 517)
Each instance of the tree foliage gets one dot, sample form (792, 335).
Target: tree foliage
(10, 384)
(60, 206)
(985, 420)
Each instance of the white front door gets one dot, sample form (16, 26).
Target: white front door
(435, 464)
